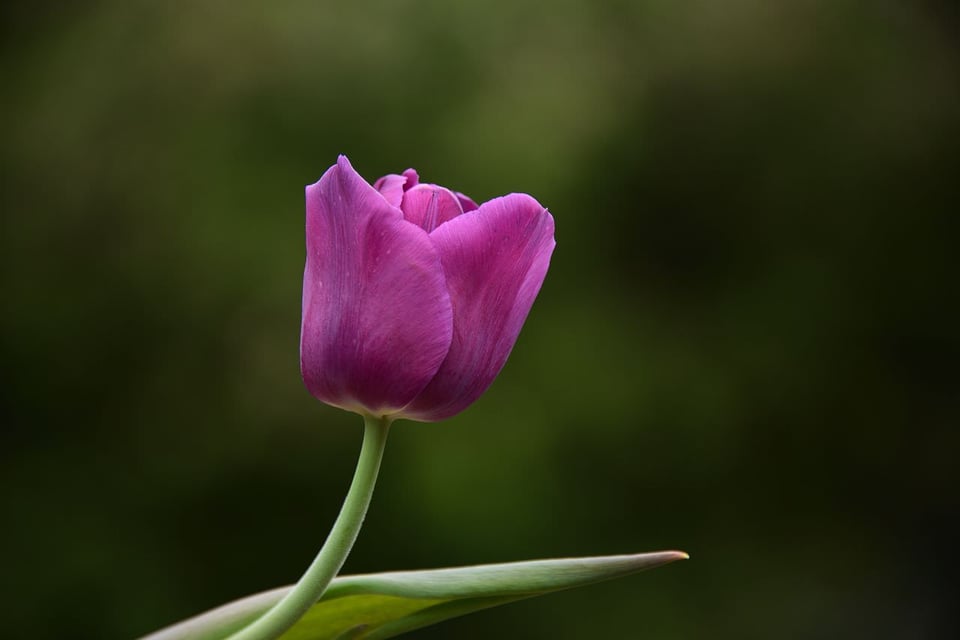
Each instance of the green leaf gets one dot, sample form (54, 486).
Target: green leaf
(384, 605)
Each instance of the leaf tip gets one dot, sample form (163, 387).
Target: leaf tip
(666, 557)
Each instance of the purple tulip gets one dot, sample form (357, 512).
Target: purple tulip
(413, 296)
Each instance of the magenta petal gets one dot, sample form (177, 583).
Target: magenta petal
(429, 206)
(495, 259)
(412, 178)
(466, 203)
(391, 188)
(377, 319)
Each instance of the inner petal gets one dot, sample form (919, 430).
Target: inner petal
(412, 179)
(466, 203)
(429, 206)
(392, 186)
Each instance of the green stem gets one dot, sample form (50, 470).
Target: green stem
(325, 566)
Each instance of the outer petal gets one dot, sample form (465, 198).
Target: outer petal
(429, 206)
(495, 259)
(377, 317)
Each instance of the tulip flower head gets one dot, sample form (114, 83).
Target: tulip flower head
(413, 295)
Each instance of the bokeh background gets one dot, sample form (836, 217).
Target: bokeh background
(746, 347)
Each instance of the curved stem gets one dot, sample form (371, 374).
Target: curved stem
(325, 566)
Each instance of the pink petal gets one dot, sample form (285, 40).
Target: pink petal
(495, 259)
(377, 317)
(391, 188)
(392, 185)
(429, 206)
(466, 203)
(412, 178)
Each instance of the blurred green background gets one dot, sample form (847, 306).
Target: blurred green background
(746, 347)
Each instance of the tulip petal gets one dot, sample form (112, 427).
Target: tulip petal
(466, 203)
(413, 179)
(377, 318)
(429, 206)
(392, 186)
(495, 260)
